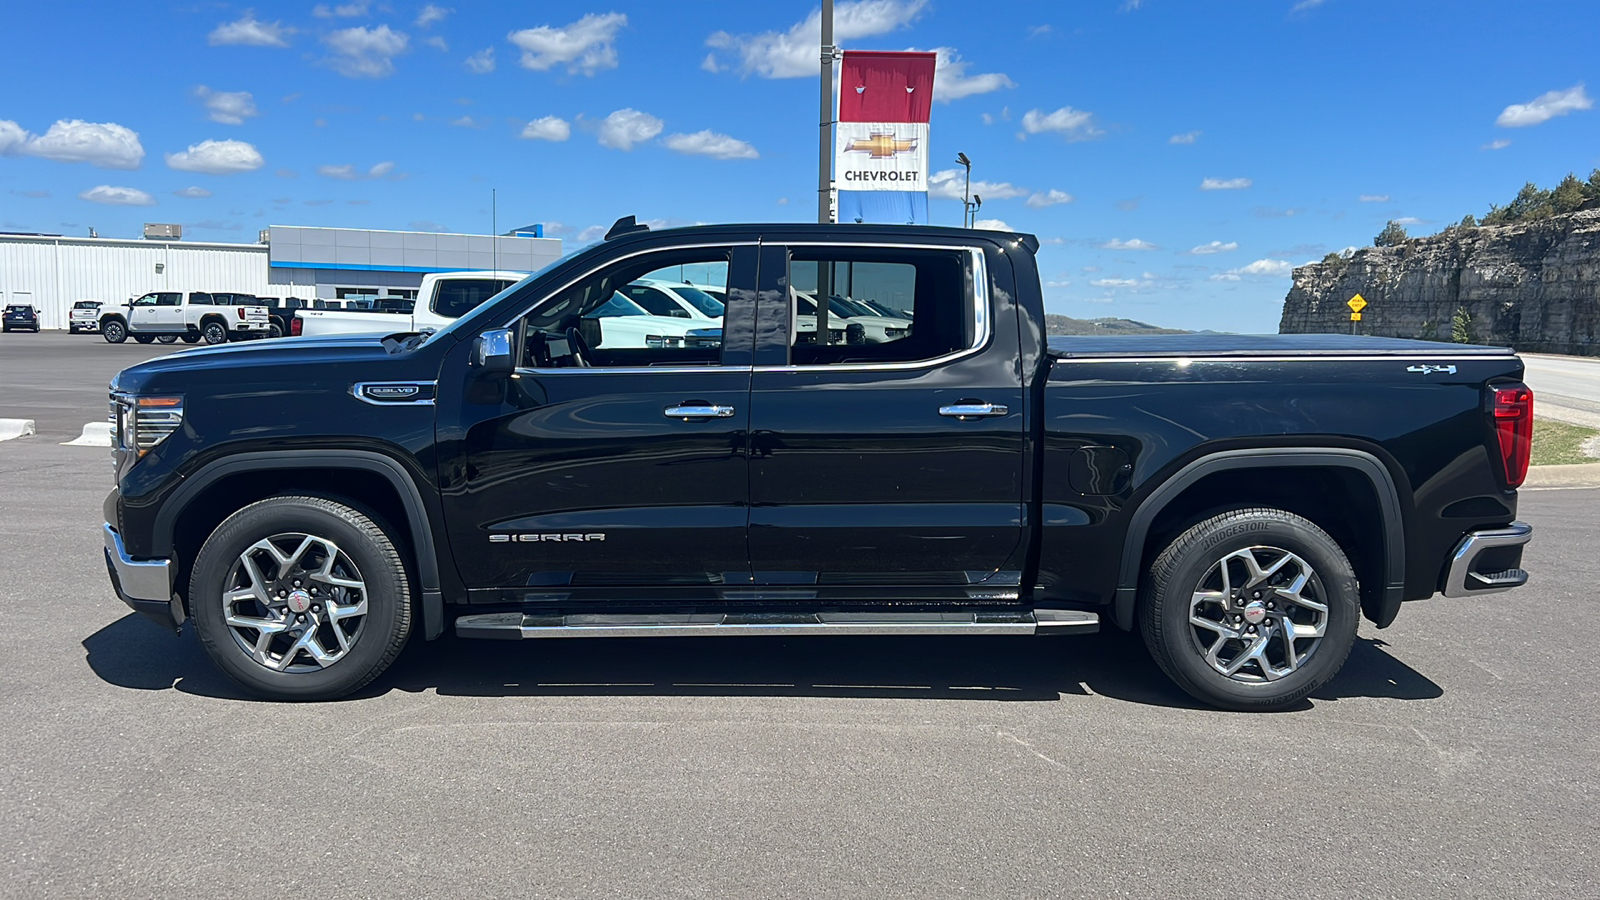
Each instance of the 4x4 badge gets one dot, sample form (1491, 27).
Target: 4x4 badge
(1429, 370)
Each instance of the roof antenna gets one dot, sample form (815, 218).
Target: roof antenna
(494, 226)
(625, 225)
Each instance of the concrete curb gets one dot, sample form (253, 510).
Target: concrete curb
(15, 428)
(95, 434)
(1576, 475)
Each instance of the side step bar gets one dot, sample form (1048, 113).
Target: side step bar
(515, 625)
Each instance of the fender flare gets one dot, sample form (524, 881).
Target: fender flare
(1383, 487)
(416, 511)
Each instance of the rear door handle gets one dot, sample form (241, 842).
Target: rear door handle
(973, 410)
(699, 412)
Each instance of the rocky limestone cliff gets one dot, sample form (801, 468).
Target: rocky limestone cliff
(1534, 286)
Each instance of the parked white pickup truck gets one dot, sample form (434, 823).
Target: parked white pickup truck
(443, 298)
(169, 315)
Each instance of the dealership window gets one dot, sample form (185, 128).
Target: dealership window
(600, 321)
(884, 304)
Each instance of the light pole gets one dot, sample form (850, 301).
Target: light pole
(966, 190)
(825, 144)
(977, 204)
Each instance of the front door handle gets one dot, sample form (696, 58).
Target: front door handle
(699, 412)
(973, 410)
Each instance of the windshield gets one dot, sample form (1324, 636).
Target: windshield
(708, 305)
(467, 320)
(86, 304)
(618, 305)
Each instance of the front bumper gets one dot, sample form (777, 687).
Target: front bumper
(144, 584)
(1488, 561)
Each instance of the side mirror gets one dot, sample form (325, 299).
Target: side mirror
(492, 354)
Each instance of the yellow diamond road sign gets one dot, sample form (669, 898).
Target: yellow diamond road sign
(1357, 303)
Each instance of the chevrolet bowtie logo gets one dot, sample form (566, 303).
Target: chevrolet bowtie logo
(881, 146)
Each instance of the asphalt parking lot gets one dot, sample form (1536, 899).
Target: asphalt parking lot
(1455, 756)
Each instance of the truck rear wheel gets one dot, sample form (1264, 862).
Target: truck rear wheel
(144, 338)
(191, 338)
(1252, 609)
(300, 598)
(114, 331)
(214, 332)
(167, 338)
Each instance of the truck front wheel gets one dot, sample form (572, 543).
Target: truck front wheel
(214, 332)
(300, 598)
(114, 331)
(1252, 609)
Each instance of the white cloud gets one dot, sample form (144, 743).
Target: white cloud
(1500, 144)
(1051, 197)
(217, 158)
(1545, 107)
(1410, 220)
(1116, 282)
(793, 53)
(482, 62)
(626, 127)
(1261, 268)
(192, 192)
(342, 11)
(1129, 244)
(591, 234)
(438, 43)
(229, 108)
(1225, 184)
(1188, 137)
(363, 52)
(1131, 5)
(951, 182)
(992, 225)
(348, 172)
(1374, 198)
(549, 128)
(105, 145)
(117, 196)
(467, 122)
(432, 15)
(1215, 247)
(249, 32)
(586, 46)
(1305, 5)
(709, 64)
(1074, 124)
(709, 143)
(951, 81)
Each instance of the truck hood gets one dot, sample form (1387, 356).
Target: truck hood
(301, 359)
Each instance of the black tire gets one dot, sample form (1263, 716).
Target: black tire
(191, 338)
(277, 331)
(1195, 564)
(144, 338)
(381, 631)
(215, 332)
(167, 338)
(114, 331)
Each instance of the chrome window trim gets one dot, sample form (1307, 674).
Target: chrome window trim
(629, 370)
(983, 328)
(1239, 359)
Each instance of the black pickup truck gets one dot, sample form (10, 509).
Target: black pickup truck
(536, 470)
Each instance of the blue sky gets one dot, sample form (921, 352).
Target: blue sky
(1132, 136)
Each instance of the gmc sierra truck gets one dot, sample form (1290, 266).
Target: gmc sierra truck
(169, 315)
(1242, 501)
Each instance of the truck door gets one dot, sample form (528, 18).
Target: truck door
(887, 448)
(144, 314)
(590, 469)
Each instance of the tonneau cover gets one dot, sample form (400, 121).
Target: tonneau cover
(1090, 346)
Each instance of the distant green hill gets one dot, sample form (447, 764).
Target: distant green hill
(1068, 325)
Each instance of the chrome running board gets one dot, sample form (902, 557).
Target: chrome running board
(515, 625)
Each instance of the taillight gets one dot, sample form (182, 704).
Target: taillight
(296, 326)
(1511, 408)
(240, 311)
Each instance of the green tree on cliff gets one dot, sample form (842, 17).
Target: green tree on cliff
(1568, 195)
(1461, 331)
(1392, 235)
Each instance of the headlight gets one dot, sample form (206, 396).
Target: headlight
(144, 422)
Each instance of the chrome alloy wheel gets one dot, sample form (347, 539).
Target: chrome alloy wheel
(1258, 614)
(295, 602)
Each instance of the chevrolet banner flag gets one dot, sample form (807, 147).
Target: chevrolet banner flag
(881, 141)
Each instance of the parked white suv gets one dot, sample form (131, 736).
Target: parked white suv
(170, 315)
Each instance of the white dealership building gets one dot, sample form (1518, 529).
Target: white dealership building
(51, 272)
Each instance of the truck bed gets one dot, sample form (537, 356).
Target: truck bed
(1116, 346)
